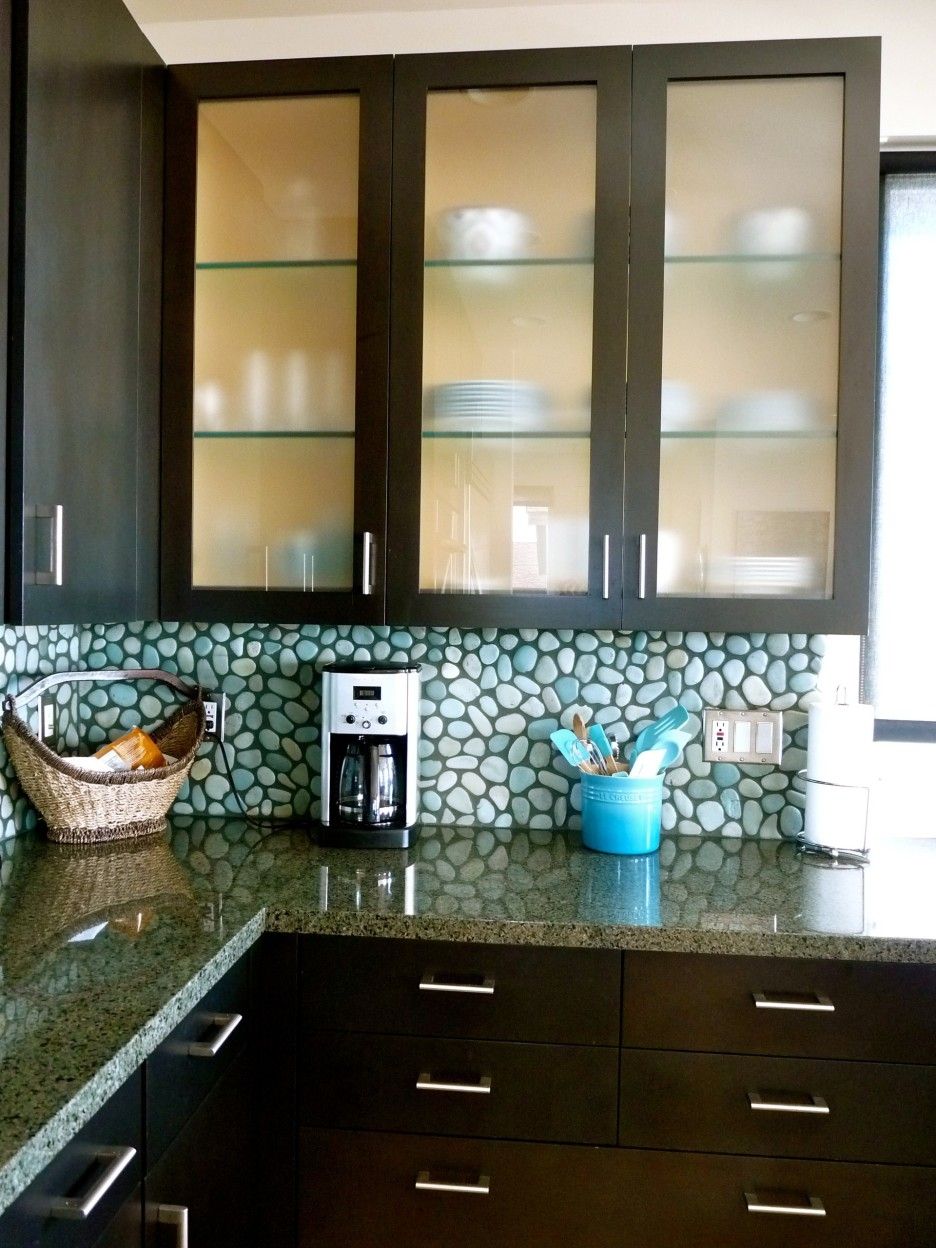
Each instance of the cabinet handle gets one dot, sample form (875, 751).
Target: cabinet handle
(367, 570)
(429, 983)
(803, 1206)
(53, 575)
(426, 1183)
(211, 1048)
(426, 1083)
(77, 1208)
(175, 1216)
(789, 1103)
(642, 566)
(606, 566)
(811, 1002)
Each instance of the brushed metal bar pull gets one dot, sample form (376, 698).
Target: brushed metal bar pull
(429, 983)
(54, 575)
(77, 1208)
(810, 1002)
(211, 1048)
(426, 1183)
(606, 566)
(788, 1103)
(367, 572)
(803, 1206)
(426, 1083)
(642, 566)
(175, 1216)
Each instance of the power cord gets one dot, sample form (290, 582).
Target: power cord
(259, 820)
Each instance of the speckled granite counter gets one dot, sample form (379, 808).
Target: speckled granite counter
(102, 951)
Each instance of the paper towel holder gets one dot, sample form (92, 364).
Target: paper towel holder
(849, 802)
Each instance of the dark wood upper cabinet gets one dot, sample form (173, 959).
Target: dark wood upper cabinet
(751, 344)
(276, 331)
(85, 242)
(611, 366)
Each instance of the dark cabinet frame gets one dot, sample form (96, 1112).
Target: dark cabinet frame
(858, 62)
(609, 70)
(372, 79)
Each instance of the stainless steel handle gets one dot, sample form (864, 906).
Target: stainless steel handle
(54, 574)
(426, 1083)
(211, 1048)
(367, 573)
(606, 566)
(788, 1103)
(803, 1206)
(77, 1208)
(429, 983)
(642, 566)
(176, 1216)
(810, 1002)
(426, 1183)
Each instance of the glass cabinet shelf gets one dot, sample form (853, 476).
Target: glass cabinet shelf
(215, 265)
(525, 435)
(274, 433)
(798, 257)
(768, 434)
(519, 263)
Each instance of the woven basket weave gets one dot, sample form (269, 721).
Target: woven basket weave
(82, 807)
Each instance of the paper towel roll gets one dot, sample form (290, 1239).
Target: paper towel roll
(837, 815)
(838, 749)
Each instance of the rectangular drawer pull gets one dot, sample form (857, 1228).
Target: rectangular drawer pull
(785, 1203)
(426, 1083)
(788, 1103)
(479, 985)
(175, 1216)
(228, 1024)
(425, 1183)
(77, 1208)
(811, 1002)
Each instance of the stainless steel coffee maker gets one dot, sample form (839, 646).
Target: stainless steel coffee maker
(370, 735)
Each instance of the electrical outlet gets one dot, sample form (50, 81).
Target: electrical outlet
(214, 717)
(46, 720)
(742, 736)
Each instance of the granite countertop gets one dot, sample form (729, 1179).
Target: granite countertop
(103, 950)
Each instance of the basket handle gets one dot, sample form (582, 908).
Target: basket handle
(14, 702)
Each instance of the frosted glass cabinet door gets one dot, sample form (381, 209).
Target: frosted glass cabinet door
(277, 242)
(507, 384)
(751, 359)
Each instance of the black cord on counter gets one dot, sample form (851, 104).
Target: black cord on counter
(258, 820)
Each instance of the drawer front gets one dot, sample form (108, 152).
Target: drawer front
(101, 1168)
(691, 1200)
(778, 1107)
(784, 1006)
(186, 1066)
(490, 992)
(460, 1087)
(360, 1189)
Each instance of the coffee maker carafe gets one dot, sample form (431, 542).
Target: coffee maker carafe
(370, 732)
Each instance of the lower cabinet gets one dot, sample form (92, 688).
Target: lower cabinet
(89, 1195)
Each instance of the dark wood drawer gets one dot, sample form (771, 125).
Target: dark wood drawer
(186, 1066)
(107, 1153)
(879, 1011)
(360, 1189)
(433, 988)
(846, 1111)
(460, 1087)
(690, 1200)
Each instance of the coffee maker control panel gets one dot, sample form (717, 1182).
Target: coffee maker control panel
(367, 708)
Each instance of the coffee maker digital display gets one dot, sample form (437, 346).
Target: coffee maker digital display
(370, 734)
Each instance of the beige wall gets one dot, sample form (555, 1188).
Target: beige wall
(908, 28)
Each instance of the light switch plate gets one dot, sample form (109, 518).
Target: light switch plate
(742, 736)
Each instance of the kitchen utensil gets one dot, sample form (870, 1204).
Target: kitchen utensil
(650, 762)
(578, 727)
(599, 738)
(655, 732)
(572, 749)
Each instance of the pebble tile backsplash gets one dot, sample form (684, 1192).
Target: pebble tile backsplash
(490, 699)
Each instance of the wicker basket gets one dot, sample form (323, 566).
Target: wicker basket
(86, 807)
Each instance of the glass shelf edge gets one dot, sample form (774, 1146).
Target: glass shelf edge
(203, 434)
(206, 266)
(526, 263)
(744, 258)
(525, 435)
(768, 435)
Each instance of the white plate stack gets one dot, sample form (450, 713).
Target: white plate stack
(492, 406)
